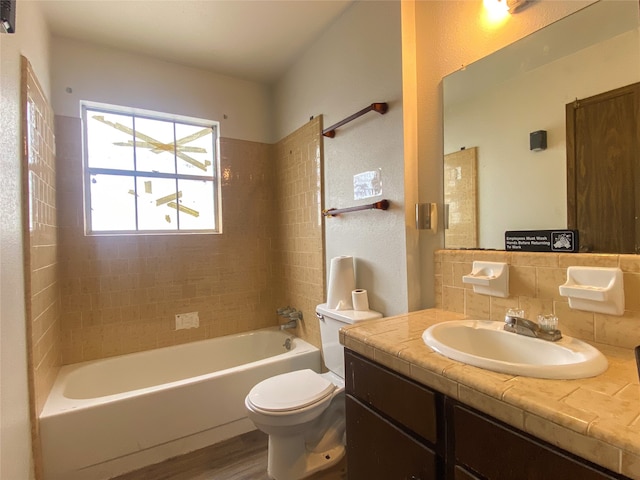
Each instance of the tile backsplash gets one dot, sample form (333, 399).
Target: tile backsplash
(534, 279)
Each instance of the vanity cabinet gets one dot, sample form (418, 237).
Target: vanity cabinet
(485, 448)
(398, 429)
(392, 425)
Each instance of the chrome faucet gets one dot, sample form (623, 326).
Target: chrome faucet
(290, 324)
(522, 326)
(292, 314)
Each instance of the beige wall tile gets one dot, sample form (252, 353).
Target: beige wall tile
(533, 259)
(477, 306)
(631, 291)
(298, 254)
(589, 259)
(453, 299)
(522, 281)
(538, 292)
(630, 263)
(41, 247)
(499, 307)
(121, 294)
(621, 331)
(461, 269)
(549, 281)
(42, 288)
(575, 323)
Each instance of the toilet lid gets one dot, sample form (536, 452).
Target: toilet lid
(290, 391)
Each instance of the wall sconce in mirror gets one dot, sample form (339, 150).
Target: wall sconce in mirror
(538, 140)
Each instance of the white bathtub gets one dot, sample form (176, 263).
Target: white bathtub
(111, 416)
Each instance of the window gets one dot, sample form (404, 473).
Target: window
(149, 173)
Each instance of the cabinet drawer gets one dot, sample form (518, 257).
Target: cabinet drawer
(403, 400)
(377, 449)
(497, 452)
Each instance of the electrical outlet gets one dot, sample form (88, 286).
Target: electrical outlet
(187, 320)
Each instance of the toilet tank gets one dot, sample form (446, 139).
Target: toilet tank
(331, 321)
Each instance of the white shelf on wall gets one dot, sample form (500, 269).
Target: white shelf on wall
(489, 278)
(595, 289)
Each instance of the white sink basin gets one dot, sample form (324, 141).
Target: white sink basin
(486, 345)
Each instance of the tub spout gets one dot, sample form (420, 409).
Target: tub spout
(292, 315)
(290, 324)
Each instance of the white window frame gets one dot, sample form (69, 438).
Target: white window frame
(138, 113)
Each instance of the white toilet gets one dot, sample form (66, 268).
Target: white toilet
(303, 411)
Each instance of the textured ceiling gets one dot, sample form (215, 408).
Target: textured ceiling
(255, 40)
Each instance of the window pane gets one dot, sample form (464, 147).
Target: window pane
(112, 203)
(196, 205)
(109, 140)
(155, 146)
(143, 172)
(157, 204)
(195, 146)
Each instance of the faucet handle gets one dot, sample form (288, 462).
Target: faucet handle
(296, 315)
(513, 312)
(284, 311)
(548, 322)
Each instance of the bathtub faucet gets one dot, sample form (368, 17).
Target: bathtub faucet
(292, 315)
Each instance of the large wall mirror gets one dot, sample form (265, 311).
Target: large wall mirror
(493, 181)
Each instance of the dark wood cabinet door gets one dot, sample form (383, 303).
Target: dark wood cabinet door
(396, 397)
(496, 452)
(379, 450)
(461, 473)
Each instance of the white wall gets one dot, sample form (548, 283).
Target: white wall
(105, 75)
(31, 40)
(519, 189)
(356, 62)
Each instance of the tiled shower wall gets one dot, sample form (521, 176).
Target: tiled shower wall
(120, 294)
(299, 246)
(534, 279)
(41, 247)
(42, 288)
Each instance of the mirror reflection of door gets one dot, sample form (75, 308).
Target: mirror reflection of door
(461, 199)
(603, 175)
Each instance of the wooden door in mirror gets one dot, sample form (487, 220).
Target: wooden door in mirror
(603, 171)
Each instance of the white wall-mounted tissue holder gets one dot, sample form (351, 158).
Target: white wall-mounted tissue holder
(489, 278)
(595, 289)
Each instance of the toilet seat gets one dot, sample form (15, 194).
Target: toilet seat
(290, 391)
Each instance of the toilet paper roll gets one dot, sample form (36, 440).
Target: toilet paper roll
(342, 282)
(360, 300)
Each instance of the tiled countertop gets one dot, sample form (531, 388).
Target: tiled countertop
(596, 418)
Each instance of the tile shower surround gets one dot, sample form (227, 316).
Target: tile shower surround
(42, 288)
(120, 294)
(534, 279)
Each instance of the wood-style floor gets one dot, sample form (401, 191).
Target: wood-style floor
(240, 458)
